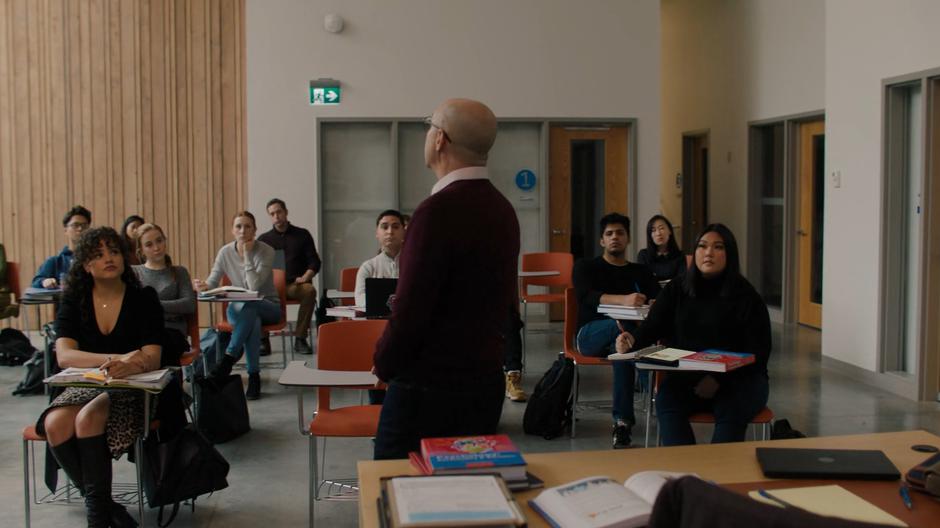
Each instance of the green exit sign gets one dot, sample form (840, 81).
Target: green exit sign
(325, 92)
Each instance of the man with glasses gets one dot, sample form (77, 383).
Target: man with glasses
(442, 351)
(53, 270)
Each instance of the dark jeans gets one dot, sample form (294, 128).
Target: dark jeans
(596, 339)
(513, 352)
(411, 413)
(736, 402)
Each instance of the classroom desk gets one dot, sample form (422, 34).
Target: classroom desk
(722, 463)
(541, 273)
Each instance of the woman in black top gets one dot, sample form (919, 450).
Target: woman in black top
(130, 237)
(106, 320)
(711, 307)
(661, 255)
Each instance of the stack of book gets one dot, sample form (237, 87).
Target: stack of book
(41, 294)
(444, 501)
(629, 313)
(232, 293)
(474, 454)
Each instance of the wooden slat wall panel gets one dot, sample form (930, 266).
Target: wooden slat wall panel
(124, 106)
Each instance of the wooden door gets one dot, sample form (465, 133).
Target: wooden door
(563, 175)
(694, 187)
(810, 164)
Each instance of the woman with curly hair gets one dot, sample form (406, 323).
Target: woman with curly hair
(106, 320)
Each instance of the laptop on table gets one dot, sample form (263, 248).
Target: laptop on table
(379, 294)
(857, 464)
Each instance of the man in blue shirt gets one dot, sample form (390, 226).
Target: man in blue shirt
(52, 271)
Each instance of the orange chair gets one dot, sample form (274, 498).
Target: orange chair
(347, 283)
(765, 418)
(345, 346)
(13, 279)
(280, 284)
(560, 262)
(571, 350)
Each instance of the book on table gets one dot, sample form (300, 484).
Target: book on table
(41, 294)
(664, 358)
(716, 361)
(92, 377)
(230, 292)
(602, 502)
(447, 500)
(470, 454)
(831, 500)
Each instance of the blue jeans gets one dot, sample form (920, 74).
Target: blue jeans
(246, 319)
(596, 339)
(736, 402)
(412, 412)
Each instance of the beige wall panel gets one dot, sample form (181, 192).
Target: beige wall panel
(132, 106)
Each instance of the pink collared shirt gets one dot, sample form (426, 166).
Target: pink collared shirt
(465, 173)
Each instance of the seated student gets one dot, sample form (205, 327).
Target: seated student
(129, 234)
(390, 232)
(611, 279)
(661, 254)
(247, 264)
(50, 273)
(301, 264)
(172, 283)
(711, 307)
(106, 320)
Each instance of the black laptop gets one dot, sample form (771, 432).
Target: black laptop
(379, 293)
(778, 462)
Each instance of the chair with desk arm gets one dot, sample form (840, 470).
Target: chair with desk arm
(341, 346)
(278, 328)
(571, 352)
(563, 263)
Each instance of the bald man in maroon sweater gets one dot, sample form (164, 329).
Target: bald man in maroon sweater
(442, 352)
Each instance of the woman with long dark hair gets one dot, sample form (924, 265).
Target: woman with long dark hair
(661, 254)
(106, 320)
(712, 307)
(130, 235)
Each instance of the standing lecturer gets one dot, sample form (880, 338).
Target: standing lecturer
(442, 352)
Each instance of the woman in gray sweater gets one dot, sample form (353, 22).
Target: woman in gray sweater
(247, 263)
(174, 288)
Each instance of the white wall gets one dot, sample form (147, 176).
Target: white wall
(867, 41)
(725, 64)
(400, 58)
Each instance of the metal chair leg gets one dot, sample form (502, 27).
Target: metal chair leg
(26, 481)
(574, 399)
(139, 456)
(313, 480)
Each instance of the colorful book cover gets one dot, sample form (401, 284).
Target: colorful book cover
(442, 454)
(718, 360)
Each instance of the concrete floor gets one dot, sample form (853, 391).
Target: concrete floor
(268, 478)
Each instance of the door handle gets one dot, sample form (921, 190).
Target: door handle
(558, 232)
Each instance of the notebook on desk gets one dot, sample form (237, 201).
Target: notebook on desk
(778, 462)
(378, 297)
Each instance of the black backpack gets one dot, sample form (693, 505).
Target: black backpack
(32, 380)
(15, 348)
(548, 412)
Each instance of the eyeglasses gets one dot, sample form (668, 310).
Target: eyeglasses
(78, 226)
(429, 121)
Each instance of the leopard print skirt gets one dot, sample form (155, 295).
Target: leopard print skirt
(125, 422)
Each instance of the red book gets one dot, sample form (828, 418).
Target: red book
(470, 454)
(716, 361)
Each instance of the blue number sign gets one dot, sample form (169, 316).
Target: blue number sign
(525, 180)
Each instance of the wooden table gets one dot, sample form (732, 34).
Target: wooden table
(722, 463)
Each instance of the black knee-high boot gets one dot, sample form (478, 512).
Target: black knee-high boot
(66, 454)
(96, 470)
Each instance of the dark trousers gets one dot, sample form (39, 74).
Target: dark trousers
(411, 413)
(513, 351)
(737, 401)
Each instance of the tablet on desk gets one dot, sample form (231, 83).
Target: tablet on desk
(779, 462)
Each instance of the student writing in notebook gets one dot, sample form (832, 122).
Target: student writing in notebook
(611, 279)
(712, 306)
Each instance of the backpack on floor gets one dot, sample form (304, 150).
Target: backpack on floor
(15, 348)
(32, 380)
(548, 412)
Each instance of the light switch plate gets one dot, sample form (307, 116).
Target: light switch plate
(837, 179)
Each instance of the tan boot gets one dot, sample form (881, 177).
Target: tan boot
(514, 386)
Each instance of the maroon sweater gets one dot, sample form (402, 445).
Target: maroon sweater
(456, 289)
